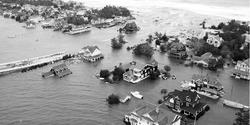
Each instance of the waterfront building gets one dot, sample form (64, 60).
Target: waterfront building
(177, 50)
(242, 70)
(204, 85)
(136, 72)
(91, 53)
(152, 115)
(187, 103)
(59, 71)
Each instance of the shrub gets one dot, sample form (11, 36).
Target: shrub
(154, 75)
(104, 73)
(163, 91)
(149, 39)
(242, 118)
(115, 44)
(167, 68)
(164, 48)
(118, 74)
(144, 49)
(121, 39)
(113, 99)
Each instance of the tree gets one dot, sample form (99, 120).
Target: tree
(149, 39)
(154, 75)
(104, 73)
(164, 48)
(164, 38)
(113, 99)
(144, 49)
(242, 118)
(167, 68)
(118, 74)
(121, 38)
(115, 44)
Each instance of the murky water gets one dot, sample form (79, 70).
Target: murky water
(28, 99)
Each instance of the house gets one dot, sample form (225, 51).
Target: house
(136, 72)
(206, 81)
(214, 40)
(246, 36)
(91, 53)
(203, 59)
(242, 70)
(59, 71)
(152, 115)
(186, 102)
(177, 50)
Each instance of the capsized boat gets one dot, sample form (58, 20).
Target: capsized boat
(127, 98)
(137, 94)
(234, 104)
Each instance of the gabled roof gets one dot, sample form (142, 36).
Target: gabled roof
(58, 67)
(183, 94)
(90, 48)
(206, 78)
(159, 114)
(247, 61)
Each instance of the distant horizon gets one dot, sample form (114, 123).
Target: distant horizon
(223, 8)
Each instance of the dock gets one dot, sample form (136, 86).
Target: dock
(29, 64)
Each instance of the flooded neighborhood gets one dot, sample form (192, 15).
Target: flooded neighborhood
(123, 63)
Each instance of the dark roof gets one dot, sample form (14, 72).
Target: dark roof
(192, 110)
(61, 70)
(177, 46)
(58, 67)
(183, 94)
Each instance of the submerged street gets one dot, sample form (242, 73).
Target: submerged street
(27, 98)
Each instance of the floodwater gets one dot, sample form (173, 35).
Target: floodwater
(28, 99)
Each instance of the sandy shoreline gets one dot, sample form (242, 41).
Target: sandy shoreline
(229, 12)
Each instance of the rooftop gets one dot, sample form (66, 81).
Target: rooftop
(90, 48)
(206, 78)
(159, 114)
(183, 94)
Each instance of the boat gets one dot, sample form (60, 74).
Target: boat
(127, 98)
(137, 94)
(234, 104)
(205, 91)
(78, 30)
(30, 26)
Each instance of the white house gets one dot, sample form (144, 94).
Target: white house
(242, 69)
(214, 40)
(91, 53)
(152, 115)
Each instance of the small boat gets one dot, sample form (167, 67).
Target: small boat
(137, 94)
(234, 104)
(78, 30)
(237, 77)
(127, 98)
(173, 77)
